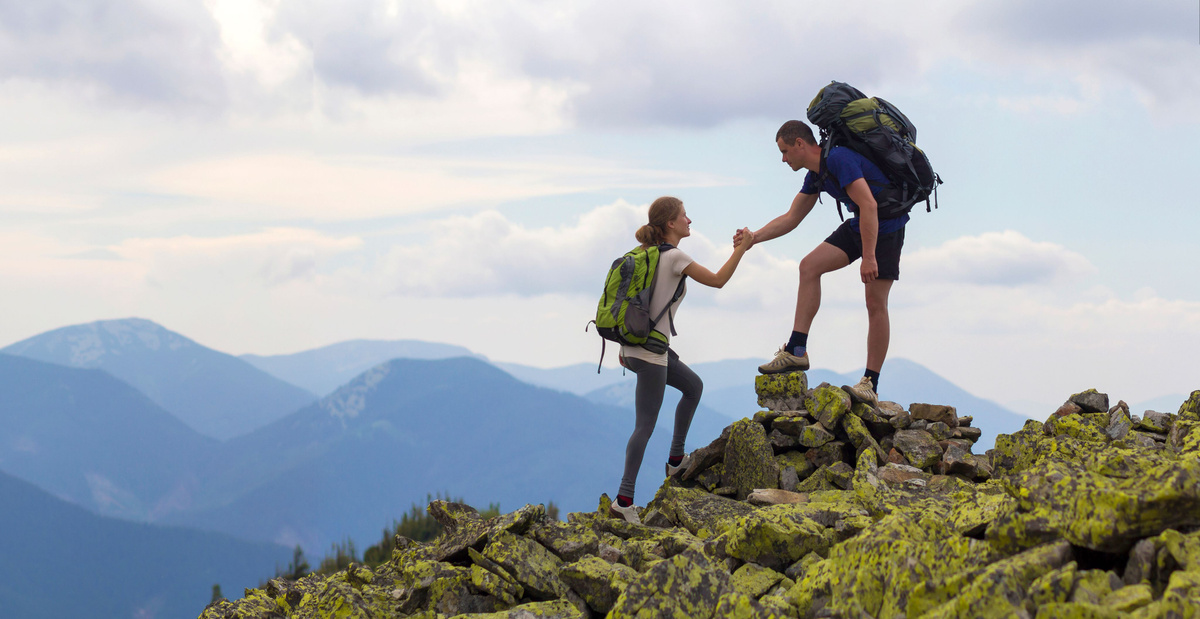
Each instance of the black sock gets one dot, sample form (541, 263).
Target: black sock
(874, 376)
(797, 343)
(675, 460)
(624, 501)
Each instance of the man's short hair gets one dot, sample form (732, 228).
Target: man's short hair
(793, 129)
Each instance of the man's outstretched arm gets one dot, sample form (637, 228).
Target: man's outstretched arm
(802, 205)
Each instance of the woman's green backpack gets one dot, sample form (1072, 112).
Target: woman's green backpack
(623, 314)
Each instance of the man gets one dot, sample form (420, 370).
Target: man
(855, 181)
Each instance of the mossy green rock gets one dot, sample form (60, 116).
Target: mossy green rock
(1190, 409)
(1091, 401)
(828, 404)
(703, 514)
(1076, 426)
(749, 459)
(754, 580)
(778, 535)
(686, 585)
(552, 609)
(860, 436)
(813, 436)
(568, 541)
(781, 392)
(534, 567)
(1105, 513)
(597, 581)
(918, 448)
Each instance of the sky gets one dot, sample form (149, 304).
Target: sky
(268, 177)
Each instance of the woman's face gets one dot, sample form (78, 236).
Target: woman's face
(681, 224)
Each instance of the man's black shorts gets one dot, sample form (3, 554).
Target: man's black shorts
(887, 248)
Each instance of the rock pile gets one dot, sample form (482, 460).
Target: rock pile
(817, 508)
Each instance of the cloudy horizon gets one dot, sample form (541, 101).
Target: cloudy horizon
(266, 176)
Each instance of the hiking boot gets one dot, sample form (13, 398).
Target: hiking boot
(784, 361)
(683, 464)
(863, 391)
(630, 514)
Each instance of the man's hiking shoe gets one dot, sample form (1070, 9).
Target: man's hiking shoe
(630, 514)
(681, 467)
(784, 361)
(863, 391)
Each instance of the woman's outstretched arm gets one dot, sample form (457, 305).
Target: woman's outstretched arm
(697, 271)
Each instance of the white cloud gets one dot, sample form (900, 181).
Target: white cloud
(271, 257)
(1006, 259)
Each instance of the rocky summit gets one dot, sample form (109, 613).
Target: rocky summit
(821, 507)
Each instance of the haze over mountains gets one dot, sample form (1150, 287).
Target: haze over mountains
(397, 421)
(218, 395)
(59, 560)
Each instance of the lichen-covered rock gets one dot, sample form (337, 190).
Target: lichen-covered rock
(828, 404)
(686, 585)
(829, 453)
(997, 590)
(778, 535)
(703, 514)
(796, 460)
(860, 436)
(1104, 513)
(597, 581)
(754, 580)
(791, 422)
(552, 609)
(569, 542)
(1076, 426)
(813, 436)
(781, 392)
(529, 563)
(749, 459)
(935, 413)
(1190, 409)
(1091, 401)
(918, 447)
(1015, 452)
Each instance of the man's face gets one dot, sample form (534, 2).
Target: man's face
(793, 154)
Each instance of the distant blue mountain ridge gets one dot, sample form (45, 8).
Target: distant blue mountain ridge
(322, 370)
(362, 456)
(58, 560)
(214, 393)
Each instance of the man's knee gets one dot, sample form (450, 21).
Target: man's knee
(877, 305)
(810, 268)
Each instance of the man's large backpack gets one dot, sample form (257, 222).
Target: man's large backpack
(623, 315)
(878, 131)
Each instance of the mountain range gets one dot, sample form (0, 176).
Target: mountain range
(214, 393)
(387, 433)
(59, 560)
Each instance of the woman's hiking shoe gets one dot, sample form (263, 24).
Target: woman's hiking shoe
(630, 514)
(784, 361)
(863, 391)
(679, 468)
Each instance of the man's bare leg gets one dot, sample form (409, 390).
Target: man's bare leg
(821, 260)
(879, 328)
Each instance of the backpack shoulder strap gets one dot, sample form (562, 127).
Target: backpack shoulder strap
(674, 297)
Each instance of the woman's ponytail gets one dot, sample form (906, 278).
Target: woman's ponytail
(662, 210)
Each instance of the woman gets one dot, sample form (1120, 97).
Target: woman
(668, 224)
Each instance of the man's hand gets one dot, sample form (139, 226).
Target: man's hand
(741, 235)
(869, 269)
(743, 239)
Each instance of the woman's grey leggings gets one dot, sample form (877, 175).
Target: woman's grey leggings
(652, 381)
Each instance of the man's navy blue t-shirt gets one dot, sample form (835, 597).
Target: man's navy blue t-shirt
(845, 167)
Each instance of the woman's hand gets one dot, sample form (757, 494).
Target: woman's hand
(743, 239)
